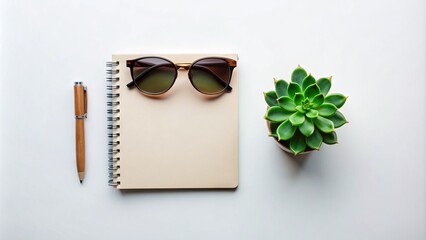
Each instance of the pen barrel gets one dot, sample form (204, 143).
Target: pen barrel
(80, 104)
(79, 100)
(79, 133)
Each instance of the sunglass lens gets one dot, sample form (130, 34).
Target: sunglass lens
(210, 75)
(153, 75)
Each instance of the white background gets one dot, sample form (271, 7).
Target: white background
(369, 186)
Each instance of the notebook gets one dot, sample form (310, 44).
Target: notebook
(183, 140)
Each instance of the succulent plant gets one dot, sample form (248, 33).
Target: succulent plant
(301, 113)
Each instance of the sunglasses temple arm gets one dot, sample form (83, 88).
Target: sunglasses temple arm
(142, 74)
(131, 85)
(228, 88)
(206, 69)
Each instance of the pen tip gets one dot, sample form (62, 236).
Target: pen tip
(81, 176)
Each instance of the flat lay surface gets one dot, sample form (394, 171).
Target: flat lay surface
(371, 185)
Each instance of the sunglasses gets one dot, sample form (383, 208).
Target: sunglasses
(156, 75)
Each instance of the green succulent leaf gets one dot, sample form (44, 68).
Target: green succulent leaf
(329, 138)
(285, 131)
(287, 103)
(273, 126)
(336, 99)
(312, 91)
(293, 88)
(338, 119)
(317, 101)
(314, 141)
(325, 85)
(300, 109)
(297, 118)
(324, 124)
(297, 143)
(281, 88)
(298, 98)
(307, 127)
(277, 114)
(298, 75)
(307, 81)
(312, 113)
(327, 109)
(271, 98)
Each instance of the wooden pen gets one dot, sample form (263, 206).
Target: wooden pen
(80, 103)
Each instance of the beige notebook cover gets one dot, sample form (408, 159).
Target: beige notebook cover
(183, 140)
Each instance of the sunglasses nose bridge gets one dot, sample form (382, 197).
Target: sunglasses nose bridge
(183, 66)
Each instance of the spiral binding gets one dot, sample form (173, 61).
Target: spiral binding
(113, 123)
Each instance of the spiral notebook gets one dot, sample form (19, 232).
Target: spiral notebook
(182, 140)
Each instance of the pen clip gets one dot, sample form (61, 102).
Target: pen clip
(85, 100)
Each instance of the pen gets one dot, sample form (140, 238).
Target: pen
(80, 103)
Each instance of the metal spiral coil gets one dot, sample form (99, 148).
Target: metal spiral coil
(112, 79)
(113, 95)
(112, 135)
(114, 143)
(113, 175)
(109, 104)
(112, 168)
(113, 159)
(111, 111)
(112, 64)
(112, 183)
(113, 126)
(113, 119)
(112, 71)
(111, 151)
(112, 87)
